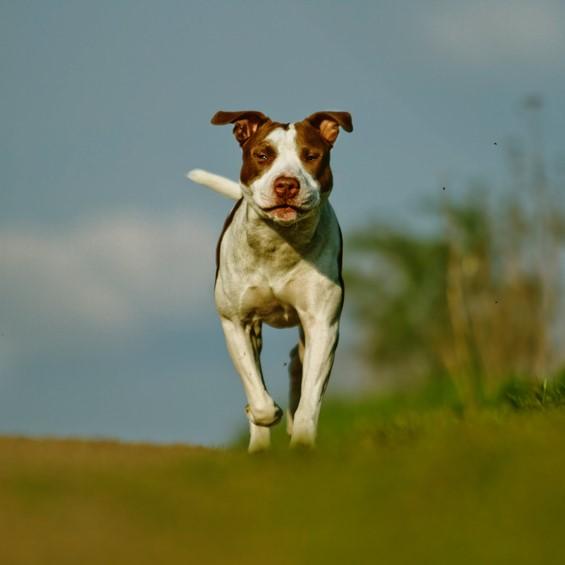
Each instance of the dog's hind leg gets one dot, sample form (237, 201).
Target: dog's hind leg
(295, 378)
(259, 438)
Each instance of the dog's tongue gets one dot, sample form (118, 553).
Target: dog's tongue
(285, 213)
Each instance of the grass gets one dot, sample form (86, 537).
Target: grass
(395, 480)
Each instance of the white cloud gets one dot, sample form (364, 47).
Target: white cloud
(490, 32)
(106, 278)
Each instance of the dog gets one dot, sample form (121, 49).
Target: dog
(278, 261)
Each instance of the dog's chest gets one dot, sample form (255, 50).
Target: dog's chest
(262, 302)
(260, 289)
(267, 287)
(262, 277)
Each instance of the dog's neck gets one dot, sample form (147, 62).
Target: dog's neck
(267, 237)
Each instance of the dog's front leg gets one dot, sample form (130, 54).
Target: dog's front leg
(321, 342)
(261, 410)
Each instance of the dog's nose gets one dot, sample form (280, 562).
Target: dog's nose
(286, 187)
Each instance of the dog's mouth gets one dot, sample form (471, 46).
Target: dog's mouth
(284, 212)
(282, 207)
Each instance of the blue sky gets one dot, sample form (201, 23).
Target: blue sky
(107, 324)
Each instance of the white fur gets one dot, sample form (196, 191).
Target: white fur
(222, 185)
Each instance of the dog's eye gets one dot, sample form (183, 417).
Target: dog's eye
(311, 156)
(261, 156)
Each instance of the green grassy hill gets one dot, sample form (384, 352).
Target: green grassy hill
(385, 486)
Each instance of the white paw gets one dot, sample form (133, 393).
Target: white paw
(264, 416)
(289, 422)
(303, 433)
(259, 438)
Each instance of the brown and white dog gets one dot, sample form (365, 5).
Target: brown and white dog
(279, 261)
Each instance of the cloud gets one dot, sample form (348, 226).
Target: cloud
(489, 32)
(105, 278)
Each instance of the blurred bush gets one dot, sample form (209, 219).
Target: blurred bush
(476, 301)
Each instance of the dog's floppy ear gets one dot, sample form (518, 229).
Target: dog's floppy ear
(246, 122)
(328, 123)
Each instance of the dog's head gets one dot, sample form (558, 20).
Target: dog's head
(286, 167)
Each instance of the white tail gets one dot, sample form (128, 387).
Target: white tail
(220, 184)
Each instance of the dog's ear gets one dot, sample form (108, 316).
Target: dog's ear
(246, 122)
(328, 124)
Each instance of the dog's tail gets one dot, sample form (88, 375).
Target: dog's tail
(220, 184)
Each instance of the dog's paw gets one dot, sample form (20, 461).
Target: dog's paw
(303, 433)
(289, 422)
(259, 438)
(267, 416)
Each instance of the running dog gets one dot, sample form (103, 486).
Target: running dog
(278, 261)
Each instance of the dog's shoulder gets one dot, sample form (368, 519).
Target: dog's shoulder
(227, 223)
